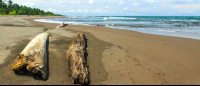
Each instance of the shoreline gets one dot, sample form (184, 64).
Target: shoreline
(142, 30)
(114, 56)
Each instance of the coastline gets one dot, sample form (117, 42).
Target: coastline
(114, 56)
(166, 26)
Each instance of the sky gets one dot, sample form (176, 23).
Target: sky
(116, 7)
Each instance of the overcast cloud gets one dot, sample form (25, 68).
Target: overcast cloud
(117, 7)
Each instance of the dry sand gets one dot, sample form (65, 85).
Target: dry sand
(114, 56)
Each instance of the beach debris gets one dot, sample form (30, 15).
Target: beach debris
(76, 57)
(34, 57)
(62, 25)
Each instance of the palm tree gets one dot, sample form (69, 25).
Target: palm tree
(15, 9)
(4, 7)
(10, 2)
(1, 3)
(10, 6)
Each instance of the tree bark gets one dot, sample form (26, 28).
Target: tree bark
(34, 57)
(76, 57)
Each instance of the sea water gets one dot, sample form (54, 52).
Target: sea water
(178, 26)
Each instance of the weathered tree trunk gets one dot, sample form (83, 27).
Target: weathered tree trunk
(34, 57)
(76, 57)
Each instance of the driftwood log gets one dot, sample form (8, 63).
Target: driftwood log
(62, 25)
(76, 57)
(34, 57)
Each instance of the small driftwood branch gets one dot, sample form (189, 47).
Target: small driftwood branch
(34, 57)
(62, 25)
(76, 57)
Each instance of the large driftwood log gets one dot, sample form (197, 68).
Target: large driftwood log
(34, 57)
(76, 57)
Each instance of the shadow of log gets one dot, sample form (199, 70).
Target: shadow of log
(47, 48)
(85, 55)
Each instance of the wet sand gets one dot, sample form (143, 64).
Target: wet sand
(114, 56)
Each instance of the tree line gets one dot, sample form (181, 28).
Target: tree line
(16, 9)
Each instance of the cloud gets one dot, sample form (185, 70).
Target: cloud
(121, 2)
(136, 4)
(25, 1)
(73, 2)
(190, 11)
(69, 11)
(93, 11)
(60, 1)
(90, 2)
(183, 1)
(116, 7)
(125, 8)
(121, 11)
(78, 11)
(85, 10)
(106, 11)
(29, 3)
(113, 11)
(150, 1)
(51, 10)
(186, 6)
(99, 11)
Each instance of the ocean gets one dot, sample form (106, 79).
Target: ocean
(178, 26)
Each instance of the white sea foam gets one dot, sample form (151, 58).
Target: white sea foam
(48, 21)
(167, 30)
(194, 20)
(59, 22)
(105, 18)
(119, 18)
(183, 20)
(176, 20)
(141, 24)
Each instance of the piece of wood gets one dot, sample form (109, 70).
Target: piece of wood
(34, 57)
(76, 57)
(62, 25)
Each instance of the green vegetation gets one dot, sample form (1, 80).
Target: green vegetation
(15, 9)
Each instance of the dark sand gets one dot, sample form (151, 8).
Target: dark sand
(58, 66)
(114, 56)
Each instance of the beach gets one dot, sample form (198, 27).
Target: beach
(115, 57)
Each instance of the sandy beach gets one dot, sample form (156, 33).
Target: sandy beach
(115, 57)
